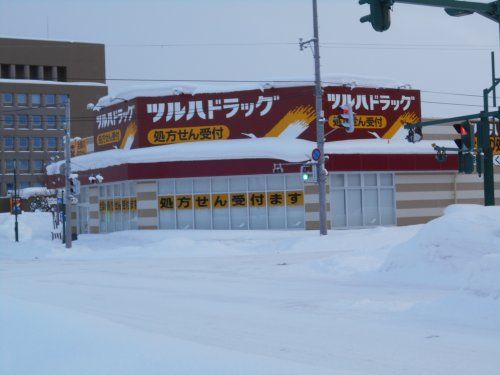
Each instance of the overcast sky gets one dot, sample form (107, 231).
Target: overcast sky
(256, 39)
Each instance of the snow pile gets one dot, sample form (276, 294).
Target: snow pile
(34, 235)
(460, 250)
(290, 150)
(194, 88)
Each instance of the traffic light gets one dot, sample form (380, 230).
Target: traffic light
(466, 141)
(309, 172)
(74, 185)
(380, 16)
(347, 116)
(415, 135)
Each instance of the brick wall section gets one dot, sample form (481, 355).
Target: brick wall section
(421, 197)
(93, 223)
(311, 205)
(147, 205)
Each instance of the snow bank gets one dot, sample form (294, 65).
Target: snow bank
(460, 250)
(193, 88)
(290, 150)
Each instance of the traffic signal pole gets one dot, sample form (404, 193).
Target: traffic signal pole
(16, 224)
(67, 173)
(320, 126)
(484, 147)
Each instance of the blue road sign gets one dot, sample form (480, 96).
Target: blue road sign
(316, 153)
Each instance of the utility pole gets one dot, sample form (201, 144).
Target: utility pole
(16, 225)
(67, 170)
(320, 126)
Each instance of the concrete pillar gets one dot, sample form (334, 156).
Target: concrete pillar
(12, 71)
(40, 72)
(27, 72)
(93, 194)
(54, 73)
(147, 205)
(311, 203)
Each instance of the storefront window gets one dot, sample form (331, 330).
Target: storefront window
(362, 199)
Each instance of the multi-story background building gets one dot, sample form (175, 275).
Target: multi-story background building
(35, 78)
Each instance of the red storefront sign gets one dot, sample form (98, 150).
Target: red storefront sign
(276, 112)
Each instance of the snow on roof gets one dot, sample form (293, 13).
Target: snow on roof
(41, 82)
(193, 88)
(35, 191)
(289, 150)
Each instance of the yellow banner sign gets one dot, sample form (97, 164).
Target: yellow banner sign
(166, 202)
(125, 204)
(257, 199)
(275, 199)
(79, 147)
(190, 134)
(220, 201)
(294, 198)
(133, 204)
(117, 204)
(239, 200)
(495, 144)
(112, 136)
(183, 202)
(202, 201)
(233, 200)
(109, 205)
(361, 121)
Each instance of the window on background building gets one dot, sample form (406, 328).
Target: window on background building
(23, 165)
(37, 184)
(37, 143)
(51, 122)
(62, 121)
(22, 99)
(38, 165)
(8, 99)
(36, 122)
(10, 187)
(9, 165)
(51, 143)
(34, 72)
(61, 100)
(20, 71)
(61, 74)
(36, 100)
(50, 100)
(23, 143)
(8, 121)
(4, 71)
(24, 184)
(8, 143)
(22, 121)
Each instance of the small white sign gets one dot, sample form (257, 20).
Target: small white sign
(496, 160)
(51, 201)
(74, 200)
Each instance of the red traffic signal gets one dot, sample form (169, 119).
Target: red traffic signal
(466, 131)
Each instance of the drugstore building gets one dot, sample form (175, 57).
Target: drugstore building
(194, 157)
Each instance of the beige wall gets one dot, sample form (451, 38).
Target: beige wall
(421, 197)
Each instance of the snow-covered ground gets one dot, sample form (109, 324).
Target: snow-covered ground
(401, 300)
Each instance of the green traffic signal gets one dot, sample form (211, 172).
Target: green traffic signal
(380, 16)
